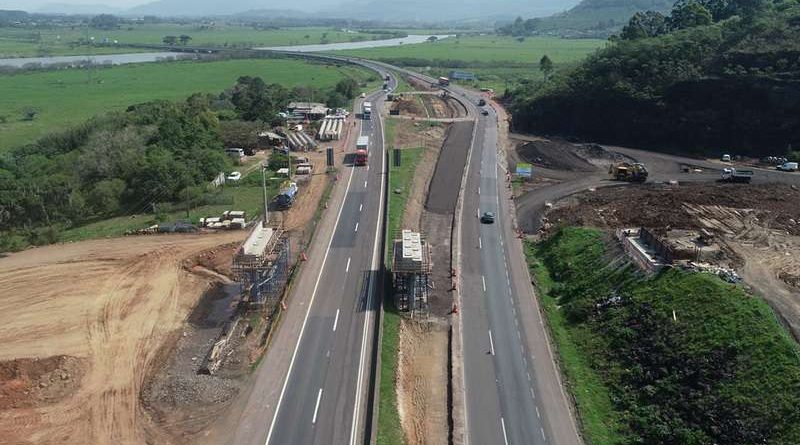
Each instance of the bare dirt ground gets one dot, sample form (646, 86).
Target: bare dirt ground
(422, 382)
(757, 226)
(420, 105)
(108, 306)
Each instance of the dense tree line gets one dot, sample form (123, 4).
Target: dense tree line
(713, 75)
(124, 162)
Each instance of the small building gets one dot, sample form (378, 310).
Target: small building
(462, 75)
(308, 110)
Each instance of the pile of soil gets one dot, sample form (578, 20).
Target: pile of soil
(408, 106)
(30, 382)
(661, 206)
(554, 154)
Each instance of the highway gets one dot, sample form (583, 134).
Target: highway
(513, 392)
(323, 399)
(317, 387)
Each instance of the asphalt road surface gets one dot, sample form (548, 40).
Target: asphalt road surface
(324, 395)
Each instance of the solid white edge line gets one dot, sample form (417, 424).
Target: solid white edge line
(491, 342)
(503, 425)
(372, 284)
(336, 320)
(305, 320)
(316, 408)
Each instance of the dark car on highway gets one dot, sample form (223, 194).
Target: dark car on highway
(485, 112)
(487, 218)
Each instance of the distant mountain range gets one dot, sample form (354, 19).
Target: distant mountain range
(422, 11)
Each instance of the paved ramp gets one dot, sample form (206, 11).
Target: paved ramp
(443, 192)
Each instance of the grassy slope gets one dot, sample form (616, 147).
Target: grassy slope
(487, 49)
(389, 430)
(599, 421)
(64, 98)
(16, 42)
(760, 381)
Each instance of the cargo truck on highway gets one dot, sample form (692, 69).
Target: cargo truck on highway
(362, 153)
(366, 110)
(443, 81)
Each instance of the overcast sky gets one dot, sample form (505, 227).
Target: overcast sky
(32, 5)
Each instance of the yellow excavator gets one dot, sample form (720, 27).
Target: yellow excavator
(626, 171)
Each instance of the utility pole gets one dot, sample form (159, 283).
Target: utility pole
(264, 186)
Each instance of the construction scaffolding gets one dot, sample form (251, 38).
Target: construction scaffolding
(262, 266)
(411, 269)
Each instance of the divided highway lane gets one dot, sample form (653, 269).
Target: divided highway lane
(513, 393)
(323, 398)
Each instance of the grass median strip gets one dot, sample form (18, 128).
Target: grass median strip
(390, 431)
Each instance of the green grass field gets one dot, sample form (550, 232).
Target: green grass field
(65, 98)
(389, 430)
(30, 42)
(495, 59)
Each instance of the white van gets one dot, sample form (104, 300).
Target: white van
(726, 158)
(236, 153)
(788, 167)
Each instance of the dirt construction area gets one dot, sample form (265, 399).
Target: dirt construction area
(756, 227)
(81, 324)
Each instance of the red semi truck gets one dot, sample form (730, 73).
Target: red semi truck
(362, 145)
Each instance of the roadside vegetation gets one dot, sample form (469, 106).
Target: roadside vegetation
(499, 61)
(679, 358)
(156, 158)
(390, 431)
(33, 105)
(711, 76)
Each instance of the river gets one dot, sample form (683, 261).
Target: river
(121, 59)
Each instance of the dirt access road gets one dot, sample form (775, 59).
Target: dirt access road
(108, 306)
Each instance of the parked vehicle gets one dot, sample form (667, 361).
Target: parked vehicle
(788, 167)
(234, 176)
(286, 197)
(737, 175)
(363, 95)
(236, 153)
(631, 172)
(481, 102)
(726, 158)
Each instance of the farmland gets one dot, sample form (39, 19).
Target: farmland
(495, 59)
(64, 98)
(51, 41)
